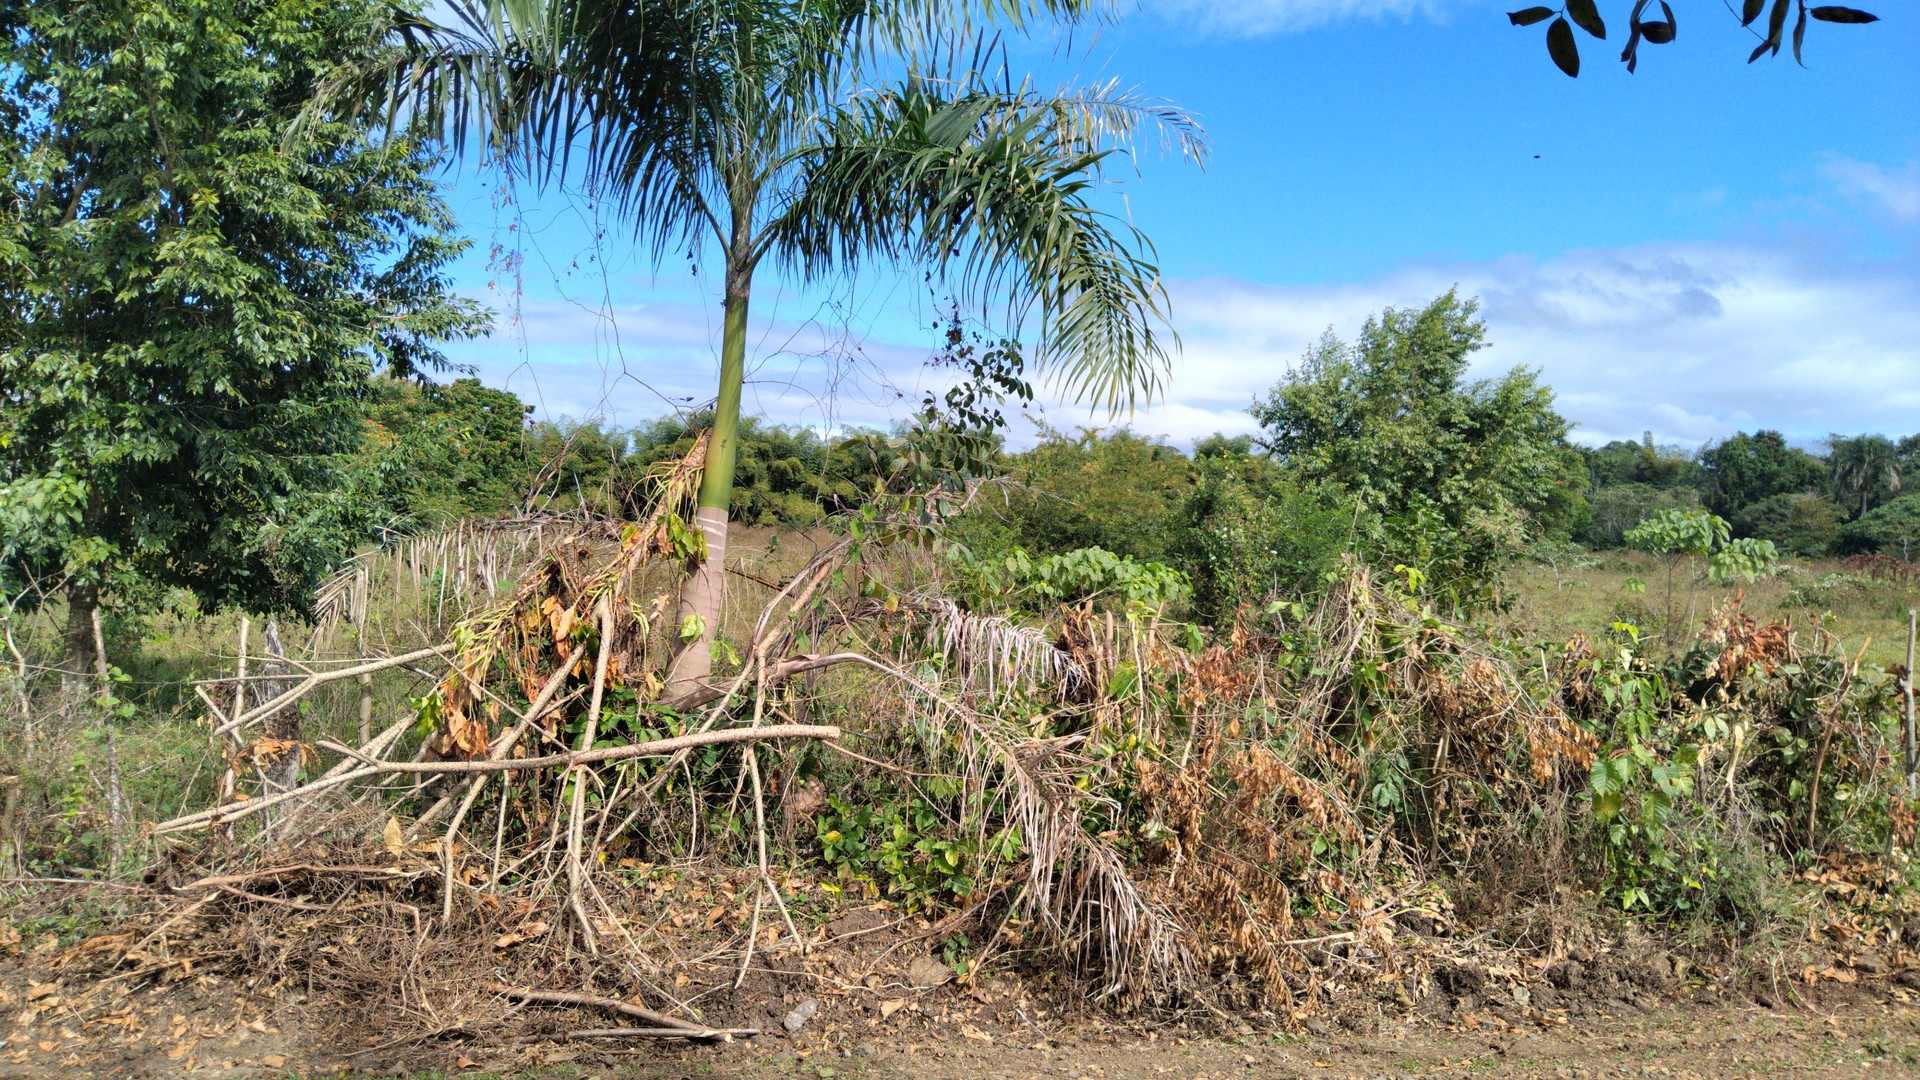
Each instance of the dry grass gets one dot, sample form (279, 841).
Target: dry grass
(1553, 606)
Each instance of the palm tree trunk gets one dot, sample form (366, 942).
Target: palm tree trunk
(702, 598)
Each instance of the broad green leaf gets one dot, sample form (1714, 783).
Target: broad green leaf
(1529, 16)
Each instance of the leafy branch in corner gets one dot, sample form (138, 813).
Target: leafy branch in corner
(1565, 51)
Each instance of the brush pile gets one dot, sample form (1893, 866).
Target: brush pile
(1091, 792)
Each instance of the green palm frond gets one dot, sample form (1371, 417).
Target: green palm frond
(995, 189)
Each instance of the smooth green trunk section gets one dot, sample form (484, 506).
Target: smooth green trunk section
(716, 484)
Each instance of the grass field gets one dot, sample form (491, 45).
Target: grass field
(1588, 592)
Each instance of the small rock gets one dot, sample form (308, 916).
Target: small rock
(926, 972)
(1317, 1026)
(1522, 996)
(801, 1013)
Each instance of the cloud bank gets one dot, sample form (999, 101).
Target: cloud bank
(1690, 341)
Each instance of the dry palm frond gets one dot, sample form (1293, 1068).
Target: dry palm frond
(991, 654)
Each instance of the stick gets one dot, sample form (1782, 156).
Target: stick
(577, 814)
(664, 1033)
(242, 717)
(559, 997)
(1913, 625)
(657, 748)
(116, 794)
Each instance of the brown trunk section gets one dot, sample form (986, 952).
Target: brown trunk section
(78, 661)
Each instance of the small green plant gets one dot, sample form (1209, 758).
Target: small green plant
(909, 851)
(1680, 537)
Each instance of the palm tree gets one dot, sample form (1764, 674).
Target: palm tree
(756, 125)
(1864, 466)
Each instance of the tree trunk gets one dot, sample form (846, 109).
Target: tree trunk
(703, 597)
(78, 660)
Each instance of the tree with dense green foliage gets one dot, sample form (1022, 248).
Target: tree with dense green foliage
(1892, 526)
(1621, 462)
(444, 451)
(1453, 474)
(1804, 523)
(192, 306)
(1747, 469)
(1613, 510)
(761, 128)
(1116, 490)
(1864, 468)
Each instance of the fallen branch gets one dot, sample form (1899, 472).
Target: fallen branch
(664, 1033)
(241, 718)
(682, 1028)
(657, 748)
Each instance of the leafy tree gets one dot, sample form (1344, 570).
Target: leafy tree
(1117, 491)
(1622, 462)
(1564, 49)
(1455, 472)
(191, 314)
(759, 127)
(1251, 536)
(1864, 468)
(1747, 469)
(1801, 523)
(1615, 510)
(1891, 526)
(1680, 537)
(444, 451)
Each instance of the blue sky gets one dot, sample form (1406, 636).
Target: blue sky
(1700, 247)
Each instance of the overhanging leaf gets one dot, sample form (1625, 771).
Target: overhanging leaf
(1587, 14)
(1560, 46)
(1843, 15)
(1776, 24)
(1751, 11)
(1657, 32)
(1529, 16)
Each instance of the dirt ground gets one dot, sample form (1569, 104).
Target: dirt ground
(217, 1028)
(870, 998)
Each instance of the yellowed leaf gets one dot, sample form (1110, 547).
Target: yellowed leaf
(274, 1061)
(888, 1008)
(394, 839)
(39, 990)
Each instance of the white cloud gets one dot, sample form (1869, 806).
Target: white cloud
(1896, 194)
(1279, 16)
(1691, 341)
